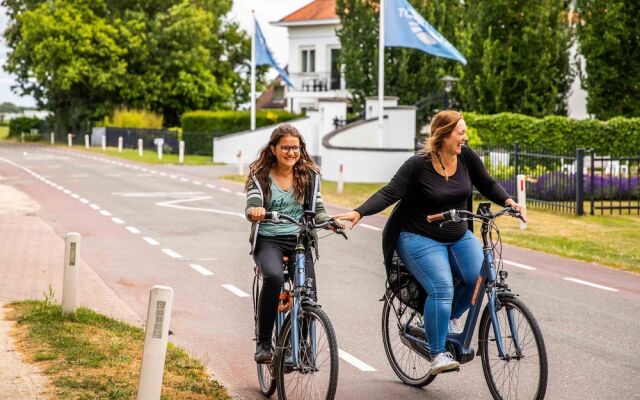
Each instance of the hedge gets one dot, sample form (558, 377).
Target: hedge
(617, 136)
(200, 127)
(23, 125)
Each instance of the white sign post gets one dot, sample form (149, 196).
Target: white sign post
(71, 273)
(53, 138)
(159, 143)
(104, 143)
(522, 197)
(140, 147)
(181, 152)
(340, 177)
(156, 337)
(69, 139)
(120, 144)
(86, 141)
(240, 165)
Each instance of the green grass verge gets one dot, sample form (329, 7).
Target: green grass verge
(90, 356)
(4, 132)
(148, 156)
(610, 240)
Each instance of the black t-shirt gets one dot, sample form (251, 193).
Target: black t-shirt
(434, 194)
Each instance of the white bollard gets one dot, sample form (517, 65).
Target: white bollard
(104, 143)
(71, 273)
(340, 177)
(69, 140)
(53, 138)
(240, 164)
(140, 147)
(22, 137)
(181, 152)
(160, 144)
(522, 197)
(86, 141)
(156, 336)
(120, 141)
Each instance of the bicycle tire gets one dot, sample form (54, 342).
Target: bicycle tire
(411, 367)
(266, 375)
(293, 383)
(499, 372)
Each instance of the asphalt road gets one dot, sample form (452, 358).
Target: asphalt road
(182, 227)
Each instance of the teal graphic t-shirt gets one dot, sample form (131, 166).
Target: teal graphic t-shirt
(283, 202)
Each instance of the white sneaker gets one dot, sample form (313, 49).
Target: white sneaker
(443, 362)
(455, 326)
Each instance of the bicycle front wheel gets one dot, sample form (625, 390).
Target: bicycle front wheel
(315, 376)
(522, 372)
(266, 375)
(411, 367)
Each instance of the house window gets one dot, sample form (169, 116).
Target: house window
(308, 60)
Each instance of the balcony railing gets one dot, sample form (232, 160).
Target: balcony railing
(316, 81)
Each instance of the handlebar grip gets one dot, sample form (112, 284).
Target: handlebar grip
(443, 216)
(271, 215)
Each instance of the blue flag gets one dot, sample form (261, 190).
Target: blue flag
(264, 56)
(404, 27)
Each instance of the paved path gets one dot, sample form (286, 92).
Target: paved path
(182, 227)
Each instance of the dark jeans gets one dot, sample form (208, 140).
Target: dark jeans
(268, 255)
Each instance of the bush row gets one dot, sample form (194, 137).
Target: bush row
(23, 125)
(221, 123)
(617, 136)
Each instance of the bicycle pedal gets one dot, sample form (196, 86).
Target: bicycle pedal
(451, 370)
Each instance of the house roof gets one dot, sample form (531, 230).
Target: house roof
(316, 10)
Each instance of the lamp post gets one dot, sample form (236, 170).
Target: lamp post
(449, 81)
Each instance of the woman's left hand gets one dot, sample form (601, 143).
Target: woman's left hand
(517, 207)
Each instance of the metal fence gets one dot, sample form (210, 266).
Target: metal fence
(568, 182)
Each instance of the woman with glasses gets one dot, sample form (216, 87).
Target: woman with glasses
(286, 180)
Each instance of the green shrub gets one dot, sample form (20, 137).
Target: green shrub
(23, 125)
(139, 119)
(200, 127)
(556, 133)
(224, 122)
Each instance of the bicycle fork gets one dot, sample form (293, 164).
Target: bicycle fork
(300, 279)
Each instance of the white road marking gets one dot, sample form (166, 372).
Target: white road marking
(240, 193)
(373, 228)
(94, 206)
(184, 179)
(172, 204)
(211, 186)
(67, 191)
(151, 241)
(362, 366)
(162, 174)
(515, 264)
(75, 196)
(225, 190)
(197, 183)
(133, 230)
(105, 213)
(117, 220)
(201, 269)
(235, 290)
(83, 200)
(171, 253)
(580, 281)
(157, 194)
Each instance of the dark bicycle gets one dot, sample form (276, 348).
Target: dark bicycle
(305, 362)
(510, 342)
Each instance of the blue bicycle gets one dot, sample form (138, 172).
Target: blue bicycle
(305, 362)
(510, 342)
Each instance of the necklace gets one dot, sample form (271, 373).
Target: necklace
(444, 170)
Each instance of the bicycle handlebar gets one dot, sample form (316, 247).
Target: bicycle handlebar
(276, 217)
(463, 215)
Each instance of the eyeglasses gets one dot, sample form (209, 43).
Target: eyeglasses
(286, 149)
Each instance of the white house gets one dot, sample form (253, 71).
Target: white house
(314, 48)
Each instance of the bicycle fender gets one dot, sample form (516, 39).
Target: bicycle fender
(310, 303)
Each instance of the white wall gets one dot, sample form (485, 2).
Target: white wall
(372, 108)
(368, 166)
(321, 38)
(225, 148)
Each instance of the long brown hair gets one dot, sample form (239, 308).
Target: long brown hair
(261, 167)
(441, 127)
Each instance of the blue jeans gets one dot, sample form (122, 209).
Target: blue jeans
(435, 264)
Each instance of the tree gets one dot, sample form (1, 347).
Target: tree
(518, 57)
(81, 59)
(609, 38)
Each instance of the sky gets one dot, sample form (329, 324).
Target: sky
(266, 11)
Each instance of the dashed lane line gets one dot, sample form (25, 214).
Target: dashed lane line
(117, 220)
(518, 265)
(361, 365)
(201, 269)
(133, 230)
(151, 241)
(235, 290)
(580, 281)
(171, 253)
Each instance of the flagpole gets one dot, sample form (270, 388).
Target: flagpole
(381, 76)
(253, 74)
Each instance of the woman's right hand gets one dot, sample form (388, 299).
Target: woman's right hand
(352, 216)
(256, 214)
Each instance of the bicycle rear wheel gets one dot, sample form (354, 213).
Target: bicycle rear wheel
(316, 375)
(522, 373)
(266, 375)
(411, 367)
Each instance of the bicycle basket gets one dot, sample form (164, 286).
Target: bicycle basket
(405, 286)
